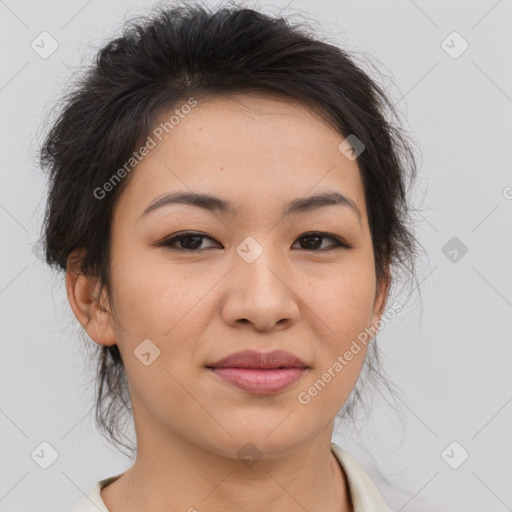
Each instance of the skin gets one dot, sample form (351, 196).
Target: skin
(260, 152)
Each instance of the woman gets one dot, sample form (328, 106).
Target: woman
(228, 201)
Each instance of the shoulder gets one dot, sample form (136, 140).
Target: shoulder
(365, 496)
(92, 501)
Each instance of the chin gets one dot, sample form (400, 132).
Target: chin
(271, 436)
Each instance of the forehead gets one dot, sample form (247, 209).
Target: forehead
(258, 151)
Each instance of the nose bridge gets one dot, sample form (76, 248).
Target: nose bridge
(259, 268)
(258, 291)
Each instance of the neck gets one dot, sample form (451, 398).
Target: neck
(187, 477)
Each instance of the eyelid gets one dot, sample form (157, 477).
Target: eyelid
(339, 243)
(176, 237)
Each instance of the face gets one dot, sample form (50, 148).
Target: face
(251, 275)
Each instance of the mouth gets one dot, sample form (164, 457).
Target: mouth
(260, 373)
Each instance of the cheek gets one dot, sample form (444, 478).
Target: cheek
(166, 305)
(154, 299)
(342, 313)
(343, 301)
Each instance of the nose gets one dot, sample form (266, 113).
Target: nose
(260, 294)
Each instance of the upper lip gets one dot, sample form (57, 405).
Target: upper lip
(255, 359)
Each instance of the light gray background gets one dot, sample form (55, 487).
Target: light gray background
(451, 358)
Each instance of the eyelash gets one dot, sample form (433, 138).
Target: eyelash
(338, 243)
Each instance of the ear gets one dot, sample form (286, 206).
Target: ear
(381, 296)
(91, 311)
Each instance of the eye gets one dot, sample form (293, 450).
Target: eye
(311, 241)
(187, 242)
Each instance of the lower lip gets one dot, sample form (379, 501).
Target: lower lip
(258, 380)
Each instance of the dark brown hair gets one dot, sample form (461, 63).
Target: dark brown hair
(191, 51)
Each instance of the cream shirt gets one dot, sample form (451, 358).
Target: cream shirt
(364, 495)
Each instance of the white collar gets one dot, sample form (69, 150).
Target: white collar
(363, 493)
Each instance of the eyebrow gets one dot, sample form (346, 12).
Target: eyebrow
(216, 204)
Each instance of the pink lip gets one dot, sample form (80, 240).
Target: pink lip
(260, 373)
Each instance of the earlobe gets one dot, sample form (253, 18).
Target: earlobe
(91, 310)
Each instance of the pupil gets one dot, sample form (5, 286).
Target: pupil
(315, 243)
(184, 242)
